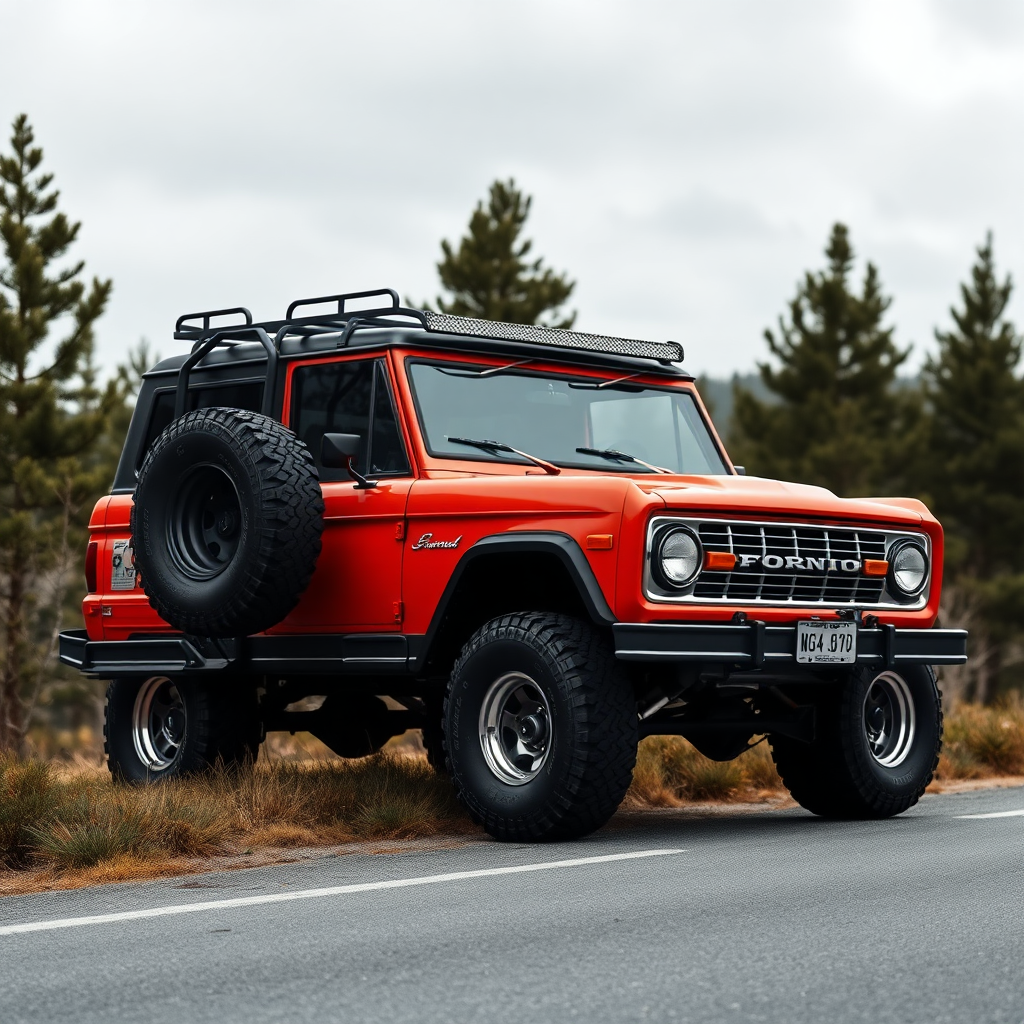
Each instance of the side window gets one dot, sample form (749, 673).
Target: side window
(351, 397)
(237, 395)
(387, 452)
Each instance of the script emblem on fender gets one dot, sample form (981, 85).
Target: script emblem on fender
(427, 541)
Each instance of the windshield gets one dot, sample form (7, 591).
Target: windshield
(550, 417)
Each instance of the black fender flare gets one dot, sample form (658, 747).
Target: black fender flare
(561, 545)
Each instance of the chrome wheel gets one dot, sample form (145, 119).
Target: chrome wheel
(515, 728)
(158, 723)
(889, 721)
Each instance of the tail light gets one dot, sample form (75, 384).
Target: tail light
(91, 554)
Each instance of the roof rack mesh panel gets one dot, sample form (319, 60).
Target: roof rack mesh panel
(667, 351)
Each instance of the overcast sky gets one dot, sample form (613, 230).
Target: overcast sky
(686, 160)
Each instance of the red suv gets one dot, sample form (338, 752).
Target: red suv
(529, 543)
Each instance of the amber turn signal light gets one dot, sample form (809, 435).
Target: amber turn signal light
(719, 561)
(599, 541)
(875, 567)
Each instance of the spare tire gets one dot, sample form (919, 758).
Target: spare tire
(226, 523)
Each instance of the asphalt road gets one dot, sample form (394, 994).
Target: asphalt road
(734, 917)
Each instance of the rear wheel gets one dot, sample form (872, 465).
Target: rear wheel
(540, 728)
(161, 727)
(876, 749)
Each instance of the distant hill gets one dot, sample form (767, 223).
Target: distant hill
(717, 394)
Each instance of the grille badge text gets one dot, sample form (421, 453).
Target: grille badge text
(799, 563)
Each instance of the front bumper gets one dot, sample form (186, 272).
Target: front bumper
(757, 645)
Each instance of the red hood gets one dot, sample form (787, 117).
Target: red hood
(776, 498)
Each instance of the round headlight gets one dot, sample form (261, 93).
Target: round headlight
(908, 569)
(679, 557)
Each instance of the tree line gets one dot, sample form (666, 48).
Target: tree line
(837, 414)
(59, 435)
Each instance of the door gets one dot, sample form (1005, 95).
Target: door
(358, 579)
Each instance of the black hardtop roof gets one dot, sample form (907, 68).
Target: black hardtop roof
(236, 343)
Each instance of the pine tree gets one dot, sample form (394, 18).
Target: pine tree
(974, 475)
(836, 411)
(51, 414)
(490, 277)
(67, 700)
(977, 427)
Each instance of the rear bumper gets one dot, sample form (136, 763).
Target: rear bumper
(756, 645)
(173, 654)
(154, 655)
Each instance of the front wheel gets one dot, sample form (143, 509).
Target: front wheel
(162, 728)
(540, 728)
(876, 749)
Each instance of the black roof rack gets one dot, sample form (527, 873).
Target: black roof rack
(341, 299)
(345, 323)
(446, 323)
(180, 327)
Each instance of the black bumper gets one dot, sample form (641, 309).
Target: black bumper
(153, 655)
(174, 654)
(756, 645)
(750, 645)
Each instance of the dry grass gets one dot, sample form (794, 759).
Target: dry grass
(61, 821)
(979, 743)
(670, 773)
(72, 820)
(983, 742)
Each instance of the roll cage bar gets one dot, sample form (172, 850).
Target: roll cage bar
(205, 335)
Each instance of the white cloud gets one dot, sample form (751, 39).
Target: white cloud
(687, 159)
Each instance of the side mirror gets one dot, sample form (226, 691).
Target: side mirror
(337, 452)
(740, 470)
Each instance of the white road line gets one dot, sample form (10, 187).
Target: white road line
(308, 894)
(995, 814)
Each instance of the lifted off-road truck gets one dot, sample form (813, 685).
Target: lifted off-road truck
(529, 543)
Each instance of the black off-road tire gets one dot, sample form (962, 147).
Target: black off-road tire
(226, 523)
(219, 725)
(838, 776)
(591, 726)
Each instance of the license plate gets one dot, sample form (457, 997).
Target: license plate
(826, 643)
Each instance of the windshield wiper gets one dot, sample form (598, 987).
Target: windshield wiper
(619, 384)
(492, 371)
(613, 456)
(498, 446)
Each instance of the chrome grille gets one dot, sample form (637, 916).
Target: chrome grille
(785, 586)
(800, 587)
